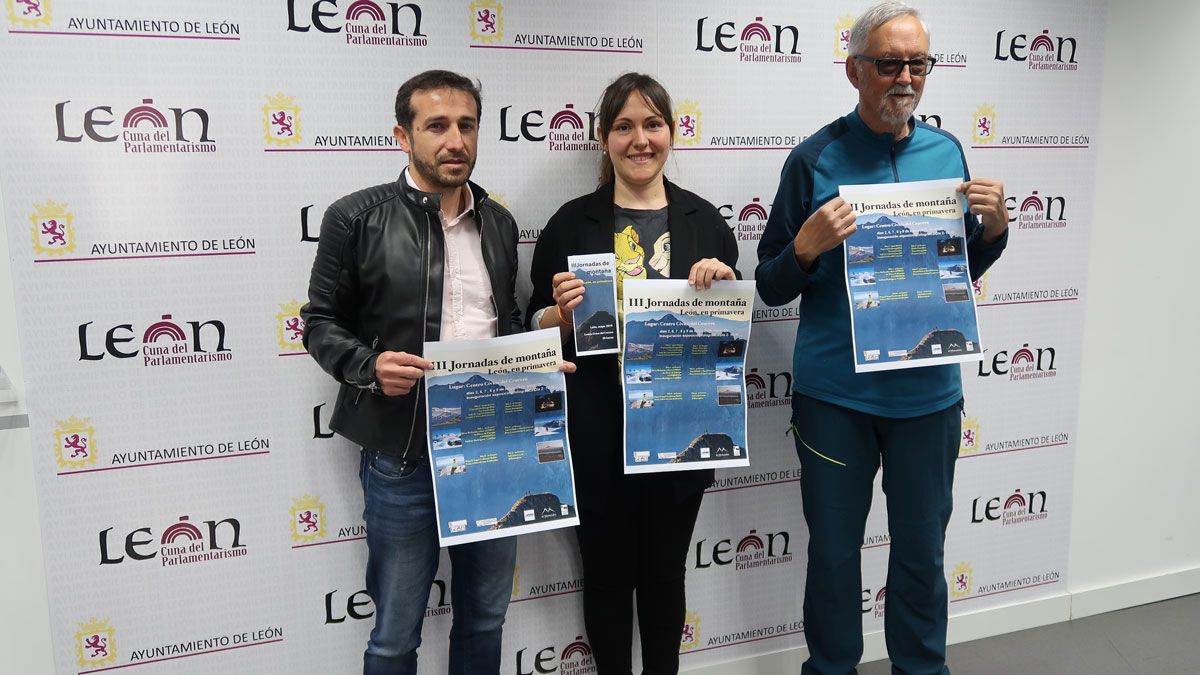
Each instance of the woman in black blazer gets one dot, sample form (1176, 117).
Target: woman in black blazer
(635, 530)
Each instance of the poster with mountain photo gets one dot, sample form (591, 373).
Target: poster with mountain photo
(907, 278)
(595, 317)
(497, 433)
(684, 374)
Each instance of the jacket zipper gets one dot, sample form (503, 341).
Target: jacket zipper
(373, 386)
(424, 326)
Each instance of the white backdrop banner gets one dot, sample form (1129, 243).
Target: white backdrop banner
(164, 171)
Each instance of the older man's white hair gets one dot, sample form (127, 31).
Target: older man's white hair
(875, 17)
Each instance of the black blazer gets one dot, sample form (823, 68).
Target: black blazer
(594, 395)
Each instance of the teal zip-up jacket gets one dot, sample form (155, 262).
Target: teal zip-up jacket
(847, 152)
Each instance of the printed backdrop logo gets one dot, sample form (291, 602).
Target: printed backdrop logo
(1044, 52)
(289, 328)
(755, 43)
(54, 235)
(874, 603)
(690, 638)
(753, 550)
(751, 220)
(144, 128)
(53, 229)
(1026, 363)
(1017, 508)
(182, 543)
(983, 129)
(95, 644)
(986, 134)
(1038, 212)
(567, 131)
(979, 286)
(689, 134)
(969, 440)
(487, 22)
(364, 22)
(75, 444)
(164, 343)
(841, 39)
(960, 581)
(687, 123)
(28, 13)
(574, 659)
(308, 519)
(773, 390)
(282, 132)
(36, 14)
(281, 120)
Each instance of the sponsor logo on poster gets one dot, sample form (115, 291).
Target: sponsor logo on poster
(289, 328)
(163, 343)
(363, 23)
(181, 543)
(1026, 363)
(567, 130)
(755, 42)
(751, 551)
(95, 644)
(75, 444)
(308, 520)
(1045, 51)
(1016, 509)
(144, 129)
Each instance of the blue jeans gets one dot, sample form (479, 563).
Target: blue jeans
(840, 451)
(402, 559)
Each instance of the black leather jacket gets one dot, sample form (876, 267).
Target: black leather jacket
(376, 286)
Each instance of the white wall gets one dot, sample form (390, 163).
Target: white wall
(1134, 539)
(1134, 534)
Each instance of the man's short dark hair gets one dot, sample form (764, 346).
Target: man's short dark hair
(431, 79)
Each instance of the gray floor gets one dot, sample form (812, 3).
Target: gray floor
(1158, 639)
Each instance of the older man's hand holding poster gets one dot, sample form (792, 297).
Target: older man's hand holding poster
(498, 437)
(684, 374)
(907, 277)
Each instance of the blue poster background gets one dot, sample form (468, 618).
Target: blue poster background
(499, 447)
(681, 392)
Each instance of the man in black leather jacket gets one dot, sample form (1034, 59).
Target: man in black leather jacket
(427, 257)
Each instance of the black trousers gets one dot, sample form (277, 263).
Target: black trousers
(636, 538)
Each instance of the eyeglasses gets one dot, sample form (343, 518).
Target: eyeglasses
(890, 67)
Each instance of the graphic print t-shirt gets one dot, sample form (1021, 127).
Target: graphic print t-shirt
(642, 246)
